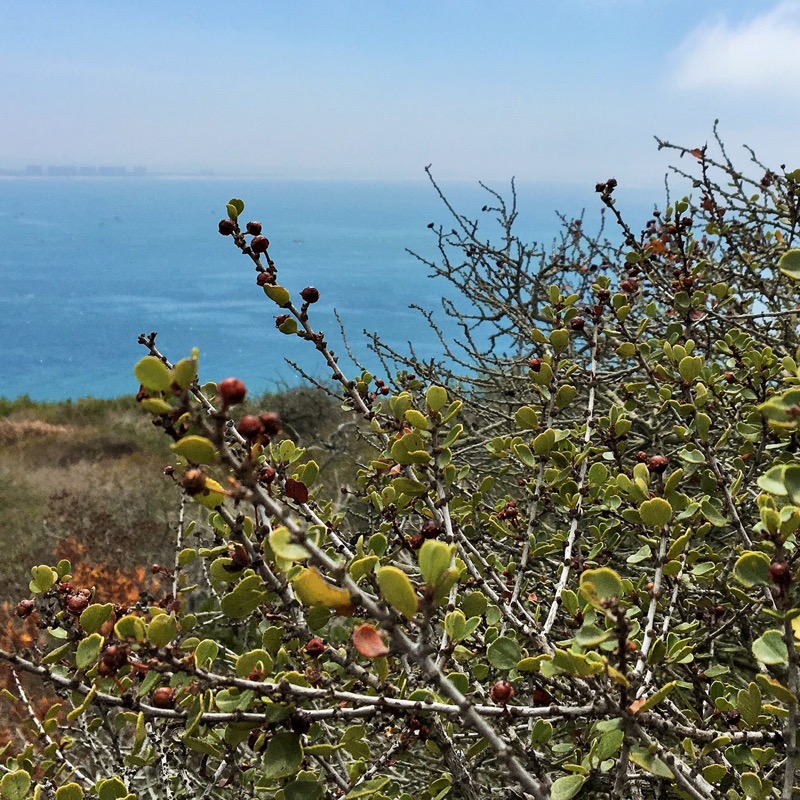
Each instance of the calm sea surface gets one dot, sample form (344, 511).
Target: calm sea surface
(87, 265)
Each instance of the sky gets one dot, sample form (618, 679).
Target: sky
(553, 90)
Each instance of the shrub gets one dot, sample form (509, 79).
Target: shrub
(564, 567)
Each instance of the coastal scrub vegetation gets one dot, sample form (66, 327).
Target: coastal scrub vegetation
(560, 561)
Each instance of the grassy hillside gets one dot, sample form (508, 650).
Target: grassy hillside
(91, 472)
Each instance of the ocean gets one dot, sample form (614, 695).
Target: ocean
(86, 265)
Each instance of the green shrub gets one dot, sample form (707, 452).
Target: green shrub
(565, 566)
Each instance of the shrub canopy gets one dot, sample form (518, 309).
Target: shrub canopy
(563, 564)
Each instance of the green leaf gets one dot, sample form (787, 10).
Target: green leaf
(649, 762)
(313, 590)
(789, 264)
(690, 367)
(130, 627)
(436, 398)
(544, 442)
(185, 372)
(304, 790)
(69, 791)
(526, 419)
(397, 590)
(44, 578)
(95, 615)
(752, 569)
(409, 487)
(88, 651)
(559, 339)
(417, 419)
(601, 586)
(248, 595)
(278, 294)
(567, 787)
(748, 702)
(608, 744)
(15, 785)
(163, 628)
(111, 789)
(504, 653)
(196, 450)
(655, 513)
(434, 560)
(770, 648)
(283, 757)
(712, 514)
(206, 653)
(153, 374)
(565, 395)
(283, 545)
(772, 480)
(458, 627)
(156, 406)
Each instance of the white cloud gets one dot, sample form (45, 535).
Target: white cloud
(761, 54)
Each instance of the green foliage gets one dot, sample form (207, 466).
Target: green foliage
(558, 565)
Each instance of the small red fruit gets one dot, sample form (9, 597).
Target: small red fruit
(657, 464)
(536, 364)
(780, 573)
(227, 227)
(641, 456)
(577, 323)
(254, 228)
(502, 692)
(265, 279)
(430, 529)
(629, 286)
(250, 427)
(115, 657)
(77, 603)
(194, 481)
(231, 391)
(271, 422)
(259, 244)
(310, 294)
(163, 697)
(25, 608)
(315, 647)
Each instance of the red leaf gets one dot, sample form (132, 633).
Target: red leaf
(698, 152)
(369, 642)
(296, 490)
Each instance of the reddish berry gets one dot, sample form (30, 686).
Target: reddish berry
(536, 364)
(730, 377)
(271, 422)
(310, 294)
(227, 227)
(416, 541)
(259, 244)
(194, 481)
(657, 464)
(231, 391)
(77, 603)
(641, 456)
(266, 475)
(115, 657)
(577, 323)
(315, 647)
(265, 279)
(163, 697)
(629, 286)
(502, 692)
(780, 573)
(254, 228)
(25, 608)
(250, 427)
(430, 529)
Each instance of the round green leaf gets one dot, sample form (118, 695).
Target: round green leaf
(434, 560)
(504, 653)
(153, 374)
(436, 398)
(283, 545)
(789, 264)
(655, 513)
(88, 651)
(163, 628)
(770, 648)
(283, 757)
(15, 785)
(567, 787)
(95, 615)
(69, 791)
(599, 585)
(278, 294)
(752, 569)
(196, 449)
(184, 372)
(398, 591)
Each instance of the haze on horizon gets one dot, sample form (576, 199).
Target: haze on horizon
(370, 89)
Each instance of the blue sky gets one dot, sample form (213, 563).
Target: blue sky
(557, 90)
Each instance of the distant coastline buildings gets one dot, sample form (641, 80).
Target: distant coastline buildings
(73, 171)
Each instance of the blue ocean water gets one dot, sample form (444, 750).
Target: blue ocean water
(87, 265)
